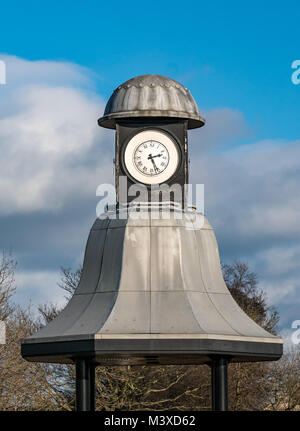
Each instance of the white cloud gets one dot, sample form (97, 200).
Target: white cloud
(21, 72)
(279, 260)
(49, 138)
(253, 189)
(288, 344)
(39, 287)
(281, 291)
(223, 126)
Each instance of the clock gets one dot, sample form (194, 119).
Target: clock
(151, 157)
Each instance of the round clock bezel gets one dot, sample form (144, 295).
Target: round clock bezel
(135, 140)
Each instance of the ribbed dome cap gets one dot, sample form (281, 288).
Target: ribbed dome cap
(151, 96)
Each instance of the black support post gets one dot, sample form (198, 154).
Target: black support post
(85, 385)
(219, 383)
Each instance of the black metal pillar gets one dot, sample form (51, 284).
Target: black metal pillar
(85, 385)
(219, 383)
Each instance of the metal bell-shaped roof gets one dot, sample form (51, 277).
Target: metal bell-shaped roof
(151, 96)
(152, 291)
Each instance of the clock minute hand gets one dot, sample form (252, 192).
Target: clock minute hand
(153, 163)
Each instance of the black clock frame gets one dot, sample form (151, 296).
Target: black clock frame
(158, 129)
(175, 129)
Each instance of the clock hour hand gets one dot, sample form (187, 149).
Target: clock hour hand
(152, 157)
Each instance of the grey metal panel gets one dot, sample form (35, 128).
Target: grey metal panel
(169, 222)
(101, 223)
(171, 313)
(112, 261)
(141, 221)
(151, 96)
(131, 313)
(92, 262)
(239, 320)
(136, 260)
(196, 221)
(208, 315)
(165, 259)
(117, 223)
(209, 262)
(66, 319)
(95, 314)
(189, 262)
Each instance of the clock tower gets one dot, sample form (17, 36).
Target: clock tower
(151, 115)
(151, 290)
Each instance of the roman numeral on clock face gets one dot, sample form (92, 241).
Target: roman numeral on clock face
(151, 157)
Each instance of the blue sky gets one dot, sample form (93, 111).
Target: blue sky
(223, 51)
(63, 61)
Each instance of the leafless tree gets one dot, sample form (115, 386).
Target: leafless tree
(36, 386)
(25, 385)
(284, 382)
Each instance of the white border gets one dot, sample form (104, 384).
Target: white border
(148, 135)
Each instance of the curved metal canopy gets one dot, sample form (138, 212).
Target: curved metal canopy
(151, 96)
(152, 291)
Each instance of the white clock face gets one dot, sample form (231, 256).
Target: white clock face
(151, 157)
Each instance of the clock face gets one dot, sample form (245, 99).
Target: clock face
(151, 157)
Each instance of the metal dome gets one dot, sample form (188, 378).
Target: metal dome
(151, 96)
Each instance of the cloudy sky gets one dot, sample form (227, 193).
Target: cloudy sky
(63, 62)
